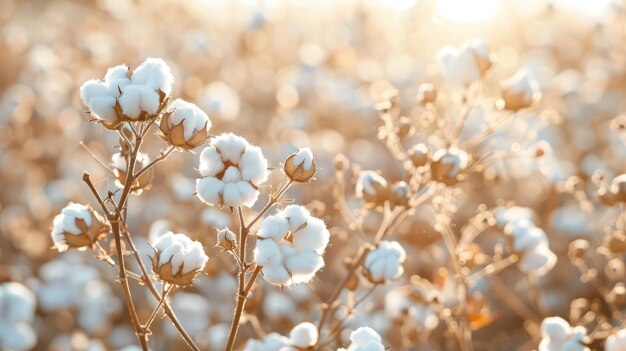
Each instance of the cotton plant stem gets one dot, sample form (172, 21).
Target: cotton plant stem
(161, 157)
(164, 292)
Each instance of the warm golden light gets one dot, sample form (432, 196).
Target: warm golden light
(468, 10)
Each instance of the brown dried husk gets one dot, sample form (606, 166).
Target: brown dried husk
(174, 135)
(164, 271)
(89, 235)
(296, 172)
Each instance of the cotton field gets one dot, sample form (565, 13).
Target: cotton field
(299, 175)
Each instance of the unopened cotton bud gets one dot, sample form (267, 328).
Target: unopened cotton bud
(618, 188)
(231, 171)
(144, 182)
(177, 259)
(447, 165)
(300, 166)
(519, 91)
(400, 193)
(226, 239)
(372, 188)
(303, 335)
(384, 262)
(78, 226)
(184, 125)
(419, 154)
(426, 94)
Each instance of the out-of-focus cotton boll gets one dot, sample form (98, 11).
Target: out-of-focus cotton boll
(616, 342)
(371, 187)
(290, 245)
(177, 258)
(193, 312)
(465, 64)
(220, 101)
(519, 91)
(365, 339)
(303, 335)
(231, 172)
(385, 262)
(558, 335)
(16, 317)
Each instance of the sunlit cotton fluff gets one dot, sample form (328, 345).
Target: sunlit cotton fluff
(231, 171)
(616, 342)
(185, 125)
(531, 243)
(558, 335)
(137, 93)
(290, 245)
(77, 226)
(464, 64)
(177, 259)
(364, 339)
(385, 262)
(17, 311)
(302, 337)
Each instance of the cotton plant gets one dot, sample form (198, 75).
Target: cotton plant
(17, 313)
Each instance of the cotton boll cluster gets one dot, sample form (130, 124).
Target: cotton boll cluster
(184, 125)
(231, 172)
(177, 259)
(300, 166)
(290, 245)
(77, 226)
(302, 337)
(558, 335)
(616, 342)
(385, 262)
(144, 182)
(528, 240)
(372, 187)
(127, 94)
(519, 91)
(364, 339)
(71, 285)
(17, 313)
(465, 64)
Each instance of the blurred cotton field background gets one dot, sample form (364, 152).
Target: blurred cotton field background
(468, 161)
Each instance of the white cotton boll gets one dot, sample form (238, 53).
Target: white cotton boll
(191, 116)
(232, 175)
(195, 258)
(555, 328)
(459, 65)
(178, 258)
(116, 79)
(16, 317)
(304, 263)
(616, 342)
(67, 223)
(254, 165)
(533, 238)
(137, 99)
(277, 275)
(230, 146)
(303, 335)
(370, 183)
(274, 227)
(314, 236)
(423, 316)
(99, 99)
(232, 196)
(267, 253)
(538, 260)
(385, 262)
(155, 73)
(519, 228)
(210, 162)
(296, 215)
(209, 190)
(249, 195)
(505, 215)
(363, 335)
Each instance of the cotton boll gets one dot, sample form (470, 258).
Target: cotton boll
(16, 317)
(116, 79)
(178, 259)
(154, 73)
(616, 342)
(385, 262)
(533, 238)
(303, 335)
(184, 125)
(304, 263)
(519, 91)
(300, 166)
(365, 339)
(77, 226)
(99, 99)
(249, 195)
(371, 187)
(254, 165)
(232, 196)
(277, 275)
(231, 147)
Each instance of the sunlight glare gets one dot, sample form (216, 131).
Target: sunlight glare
(472, 11)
